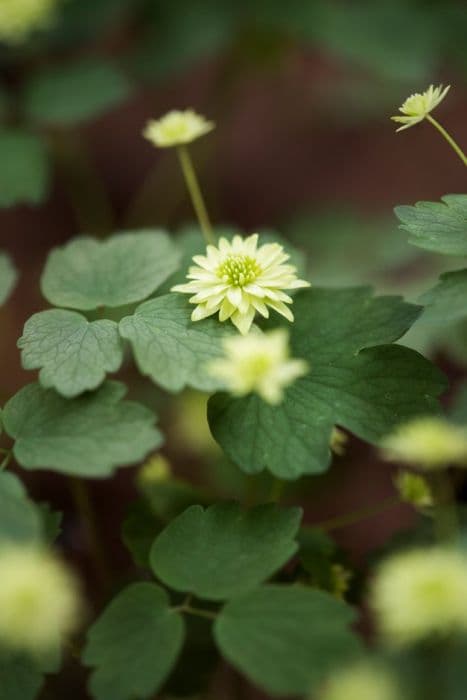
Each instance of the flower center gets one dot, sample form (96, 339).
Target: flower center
(416, 105)
(238, 270)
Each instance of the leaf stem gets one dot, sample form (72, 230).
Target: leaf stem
(87, 193)
(277, 489)
(194, 190)
(445, 512)
(6, 460)
(186, 607)
(84, 507)
(357, 516)
(448, 138)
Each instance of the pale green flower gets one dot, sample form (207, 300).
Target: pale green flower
(420, 594)
(417, 106)
(19, 18)
(39, 599)
(414, 489)
(427, 443)
(177, 128)
(361, 682)
(260, 363)
(237, 279)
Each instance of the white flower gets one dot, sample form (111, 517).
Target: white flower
(362, 682)
(418, 106)
(238, 278)
(177, 128)
(39, 600)
(18, 18)
(419, 594)
(258, 362)
(427, 443)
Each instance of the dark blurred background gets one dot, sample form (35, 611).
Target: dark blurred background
(301, 92)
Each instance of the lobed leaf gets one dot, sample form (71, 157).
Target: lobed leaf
(171, 349)
(88, 436)
(286, 639)
(134, 644)
(222, 551)
(20, 519)
(86, 273)
(438, 226)
(74, 93)
(72, 353)
(353, 382)
(20, 677)
(8, 276)
(447, 301)
(25, 171)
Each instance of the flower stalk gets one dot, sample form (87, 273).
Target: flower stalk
(194, 190)
(455, 146)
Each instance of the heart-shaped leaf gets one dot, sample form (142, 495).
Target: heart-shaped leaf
(223, 551)
(88, 436)
(72, 353)
(87, 273)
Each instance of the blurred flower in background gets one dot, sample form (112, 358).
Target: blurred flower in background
(39, 599)
(427, 443)
(19, 18)
(177, 128)
(419, 594)
(363, 681)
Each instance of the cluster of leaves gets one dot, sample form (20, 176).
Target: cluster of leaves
(258, 583)
(222, 555)
(75, 421)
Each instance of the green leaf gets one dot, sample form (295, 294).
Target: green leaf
(8, 276)
(139, 529)
(447, 301)
(24, 175)
(168, 498)
(438, 226)
(223, 551)
(51, 521)
(171, 349)
(82, 21)
(458, 411)
(286, 639)
(20, 520)
(341, 29)
(88, 436)
(134, 644)
(316, 554)
(354, 382)
(20, 679)
(86, 273)
(74, 93)
(73, 354)
(180, 39)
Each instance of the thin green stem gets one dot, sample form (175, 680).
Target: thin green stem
(357, 516)
(85, 510)
(446, 519)
(86, 190)
(6, 460)
(197, 612)
(277, 489)
(194, 190)
(448, 138)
